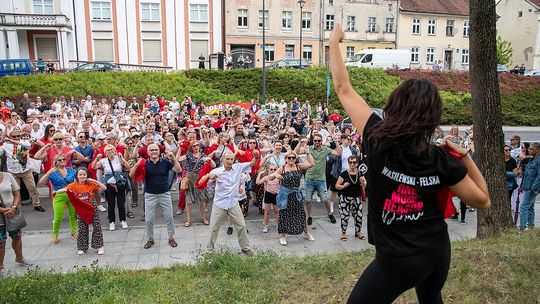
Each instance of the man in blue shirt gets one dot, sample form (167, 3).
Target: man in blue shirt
(157, 192)
(86, 151)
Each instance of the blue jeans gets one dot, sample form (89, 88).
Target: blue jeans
(526, 209)
(318, 186)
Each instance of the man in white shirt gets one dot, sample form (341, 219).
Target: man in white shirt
(174, 105)
(226, 180)
(121, 103)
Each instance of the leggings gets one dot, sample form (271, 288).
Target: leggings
(463, 209)
(60, 201)
(348, 205)
(387, 277)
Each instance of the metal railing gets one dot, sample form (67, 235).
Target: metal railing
(127, 67)
(35, 20)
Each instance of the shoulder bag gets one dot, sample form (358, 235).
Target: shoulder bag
(184, 183)
(119, 176)
(17, 221)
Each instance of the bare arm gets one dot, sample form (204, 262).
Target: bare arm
(41, 154)
(354, 104)
(309, 164)
(340, 184)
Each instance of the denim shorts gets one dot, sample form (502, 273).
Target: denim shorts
(318, 186)
(12, 234)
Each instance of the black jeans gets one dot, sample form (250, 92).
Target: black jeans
(387, 277)
(116, 196)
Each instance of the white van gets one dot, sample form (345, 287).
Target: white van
(381, 58)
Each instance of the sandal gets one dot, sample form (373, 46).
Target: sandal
(134, 205)
(360, 236)
(187, 224)
(343, 238)
(172, 243)
(205, 221)
(149, 244)
(130, 215)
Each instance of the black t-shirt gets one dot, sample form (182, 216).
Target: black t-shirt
(403, 218)
(353, 190)
(510, 164)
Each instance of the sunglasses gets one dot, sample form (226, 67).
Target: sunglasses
(61, 159)
(82, 137)
(58, 139)
(52, 130)
(317, 140)
(506, 150)
(291, 157)
(271, 169)
(252, 142)
(153, 150)
(353, 162)
(16, 136)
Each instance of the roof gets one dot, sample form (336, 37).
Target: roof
(445, 7)
(536, 3)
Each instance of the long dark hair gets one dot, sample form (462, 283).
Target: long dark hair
(412, 113)
(47, 134)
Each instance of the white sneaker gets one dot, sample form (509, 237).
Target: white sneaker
(124, 225)
(309, 237)
(112, 227)
(283, 241)
(101, 208)
(100, 251)
(265, 228)
(80, 252)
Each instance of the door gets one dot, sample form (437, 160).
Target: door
(46, 48)
(448, 60)
(243, 50)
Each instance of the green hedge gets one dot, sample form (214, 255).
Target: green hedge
(212, 86)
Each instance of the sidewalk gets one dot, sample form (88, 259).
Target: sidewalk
(124, 248)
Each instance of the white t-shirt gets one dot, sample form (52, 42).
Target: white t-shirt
(117, 165)
(345, 153)
(7, 186)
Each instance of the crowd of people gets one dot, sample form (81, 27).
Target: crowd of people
(104, 154)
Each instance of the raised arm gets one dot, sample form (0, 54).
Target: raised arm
(354, 104)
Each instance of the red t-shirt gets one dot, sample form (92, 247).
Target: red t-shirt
(335, 118)
(51, 154)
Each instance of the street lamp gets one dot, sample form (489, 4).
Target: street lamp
(301, 3)
(264, 53)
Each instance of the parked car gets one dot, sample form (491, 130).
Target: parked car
(289, 63)
(382, 58)
(16, 67)
(532, 73)
(501, 68)
(97, 66)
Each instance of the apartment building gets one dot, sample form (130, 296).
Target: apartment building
(519, 22)
(282, 23)
(368, 24)
(149, 32)
(435, 30)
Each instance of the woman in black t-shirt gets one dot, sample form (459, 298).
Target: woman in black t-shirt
(405, 176)
(350, 184)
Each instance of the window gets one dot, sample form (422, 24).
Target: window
(350, 53)
(371, 27)
(198, 12)
(307, 52)
(101, 11)
(289, 51)
(389, 25)
(466, 28)
(265, 20)
(43, 6)
(150, 12)
(464, 56)
(520, 14)
(151, 50)
(103, 50)
(430, 55)
(450, 27)
(416, 26)
(330, 21)
(368, 58)
(351, 23)
(243, 18)
(199, 47)
(431, 24)
(306, 21)
(269, 52)
(415, 54)
(286, 20)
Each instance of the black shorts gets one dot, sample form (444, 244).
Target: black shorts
(270, 198)
(331, 183)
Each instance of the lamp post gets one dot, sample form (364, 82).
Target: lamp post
(301, 3)
(264, 54)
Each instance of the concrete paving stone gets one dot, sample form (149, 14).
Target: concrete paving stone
(147, 261)
(62, 265)
(126, 266)
(116, 248)
(127, 259)
(115, 236)
(134, 235)
(57, 251)
(97, 260)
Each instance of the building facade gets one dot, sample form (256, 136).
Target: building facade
(519, 22)
(435, 30)
(141, 32)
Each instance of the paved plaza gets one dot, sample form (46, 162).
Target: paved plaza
(124, 248)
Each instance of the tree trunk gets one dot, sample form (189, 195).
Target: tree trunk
(487, 117)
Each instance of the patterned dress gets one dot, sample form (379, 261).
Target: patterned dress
(292, 220)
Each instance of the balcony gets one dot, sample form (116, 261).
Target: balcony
(35, 20)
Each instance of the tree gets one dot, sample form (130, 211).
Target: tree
(504, 51)
(487, 117)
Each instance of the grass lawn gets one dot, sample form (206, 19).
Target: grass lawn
(503, 269)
